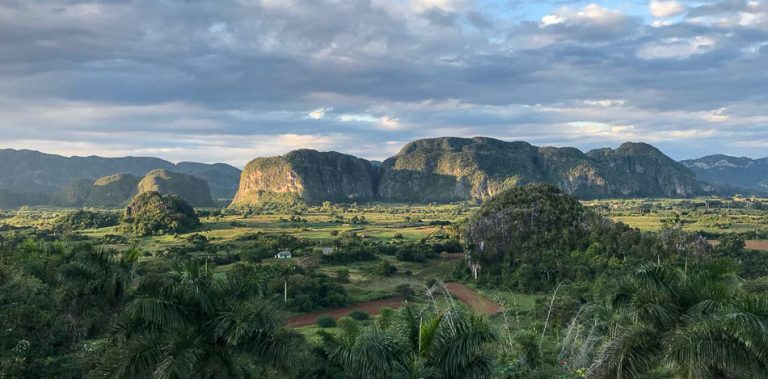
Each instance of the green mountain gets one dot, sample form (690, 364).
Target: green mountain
(739, 172)
(152, 213)
(112, 191)
(307, 174)
(194, 190)
(32, 178)
(455, 169)
(222, 179)
(450, 169)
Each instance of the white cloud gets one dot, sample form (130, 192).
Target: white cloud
(675, 48)
(665, 8)
(590, 14)
(717, 115)
(318, 113)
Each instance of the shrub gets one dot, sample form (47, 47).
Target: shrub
(342, 276)
(405, 290)
(359, 315)
(385, 268)
(326, 321)
(334, 233)
(398, 236)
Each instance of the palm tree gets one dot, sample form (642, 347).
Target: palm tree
(93, 287)
(196, 324)
(662, 322)
(425, 344)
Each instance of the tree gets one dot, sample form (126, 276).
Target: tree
(194, 324)
(698, 325)
(429, 344)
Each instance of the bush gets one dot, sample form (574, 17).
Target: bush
(342, 276)
(385, 268)
(405, 290)
(326, 321)
(398, 236)
(359, 315)
(334, 233)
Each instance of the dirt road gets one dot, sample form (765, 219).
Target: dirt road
(472, 298)
(466, 295)
(370, 307)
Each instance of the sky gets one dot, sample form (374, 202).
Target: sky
(230, 80)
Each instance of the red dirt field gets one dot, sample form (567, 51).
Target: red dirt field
(466, 295)
(472, 298)
(750, 244)
(370, 307)
(757, 244)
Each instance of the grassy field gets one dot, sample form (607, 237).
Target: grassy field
(402, 223)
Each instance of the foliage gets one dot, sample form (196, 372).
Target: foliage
(694, 325)
(82, 219)
(326, 321)
(534, 236)
(193, 323)
(151, 213)
(426, 344)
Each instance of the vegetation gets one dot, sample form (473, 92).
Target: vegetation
(192, 323)
(561, 291)
(151, 213)
(418, 344)
(193, 190)
(82, 219)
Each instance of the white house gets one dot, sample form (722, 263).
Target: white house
(283, 255)
(327, 250)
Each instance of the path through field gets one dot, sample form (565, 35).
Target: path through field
(466, 295)
(370, 307)
(472, 298)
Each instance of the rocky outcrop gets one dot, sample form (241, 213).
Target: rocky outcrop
(309, 175)
(641, 170)
(451, 169)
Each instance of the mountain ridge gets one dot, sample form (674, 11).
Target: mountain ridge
(740, 172)
(454, 169)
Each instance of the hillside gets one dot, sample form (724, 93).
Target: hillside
(450, 169)
(740, 172)
(31, 176)
(222, 179)
(112, 191)
(307, 174)
(194, 190)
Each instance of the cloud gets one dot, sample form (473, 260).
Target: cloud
(318, 113)
(665, 8)
(675, 48)
(196, 80)
(592, 22)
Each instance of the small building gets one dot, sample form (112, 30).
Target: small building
(327, 250)
(283, 255)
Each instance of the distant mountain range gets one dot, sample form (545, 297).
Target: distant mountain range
(740, 173)
(32, 177)
(428, 170)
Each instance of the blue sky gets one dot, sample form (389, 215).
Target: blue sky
(229, 80)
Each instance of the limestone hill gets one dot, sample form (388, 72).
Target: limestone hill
(194, 190)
